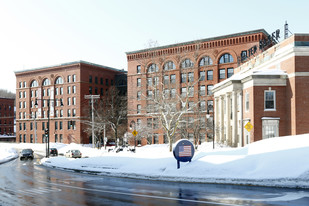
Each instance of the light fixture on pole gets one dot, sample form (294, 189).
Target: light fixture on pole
(48, 121)
(92, 97)
(210, 108)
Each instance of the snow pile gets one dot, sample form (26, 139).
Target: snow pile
(7, 153)
(280, 161)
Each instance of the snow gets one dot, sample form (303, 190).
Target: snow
(7, 153)
(281, 161)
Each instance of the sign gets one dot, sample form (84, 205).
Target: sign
(134, 133)
(249, 126)
(183, 151)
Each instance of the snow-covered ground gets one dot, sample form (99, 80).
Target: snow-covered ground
(281, 161)
(7, 153)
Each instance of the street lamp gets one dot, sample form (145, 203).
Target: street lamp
(209, 108)
(48, 121)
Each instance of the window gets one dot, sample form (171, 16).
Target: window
(139, 94)
(191, 91)
(139, 109)
(59, 80)
(138, 69)
(167, 93)
(101, 81)
(56, 125)
(74, 112)
(210, 105)
(60, 125)
(46, 82)
(210, 75)
(90, 90)
(90, 79)
(230, 72)
(149, 81)
(155, 123)
(152, 68)
(106, 82)
(202, 90)
(74, 78)
(102, 91)
(205, 61)
(173, 78)
(202, 105)
(183, 91)
(69, 113)
(187, 63)
(69, 90)
(33, 84)
(155, 81)
(191, 77)
(139, 82)
(74, 100)
(169, 66)
(69, 78)
(61, 90)
(202, 75)
(149, 122)
(209, 88)
(221, 73)
(96, 90)
(270, 128)
(96, 80)
(183, 78)
(247, 102)
(74, 89)
(166, 79)
(149, 94)
(69, 101)
(226, 58)
(270, 100)
(173, 93)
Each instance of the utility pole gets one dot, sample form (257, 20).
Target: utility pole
(92, 97)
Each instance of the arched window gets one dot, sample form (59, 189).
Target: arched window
(59, 80)
(34, 83)
(46, 82)
(169, 65)
(152, 68)
(187, 63)
(226, 58)
(205, 61)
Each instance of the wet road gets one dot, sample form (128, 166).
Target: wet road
(28, 183)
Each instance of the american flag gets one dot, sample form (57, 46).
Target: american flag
(185, 151)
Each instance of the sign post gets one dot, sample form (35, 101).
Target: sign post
(183, 151)
(249, 126)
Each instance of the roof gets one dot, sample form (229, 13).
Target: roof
(71, 63)
(201, 40)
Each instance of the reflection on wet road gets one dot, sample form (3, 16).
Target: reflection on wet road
(28, 183)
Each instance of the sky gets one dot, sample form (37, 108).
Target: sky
(38, 33)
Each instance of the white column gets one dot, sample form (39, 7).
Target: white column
(241, 127)
(234, 118)
(216, 116)
(221, 121)
(228, 137)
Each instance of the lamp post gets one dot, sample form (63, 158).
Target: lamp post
(209, 108)
(48, 121)
(92, 97)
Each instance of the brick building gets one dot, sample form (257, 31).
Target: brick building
(270, 91)
(7, 116)
(60, 90)
(208, 61)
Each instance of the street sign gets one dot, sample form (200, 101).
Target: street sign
(134, 133)
(183, 151)
(249, 126)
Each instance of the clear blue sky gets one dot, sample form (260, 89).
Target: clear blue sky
(36, 33)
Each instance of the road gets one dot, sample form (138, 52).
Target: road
(28, 183)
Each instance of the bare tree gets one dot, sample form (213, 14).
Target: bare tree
(110, 116)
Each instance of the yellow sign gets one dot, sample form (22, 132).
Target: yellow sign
(134, 133)
(249, 126)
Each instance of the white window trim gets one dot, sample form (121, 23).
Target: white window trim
(274, 109)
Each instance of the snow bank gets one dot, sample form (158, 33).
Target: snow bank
(280, 161)
(7, 153)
